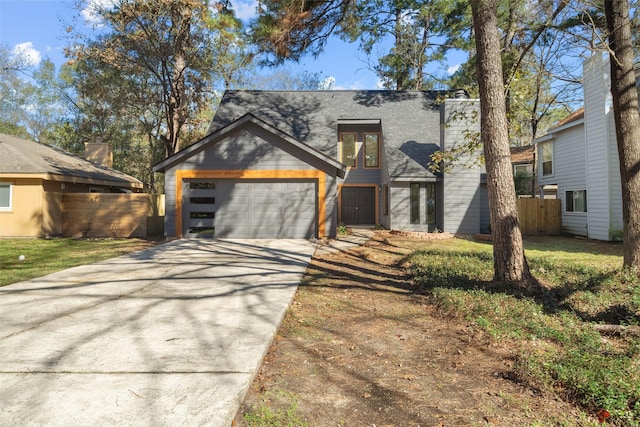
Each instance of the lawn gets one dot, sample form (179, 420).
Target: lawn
(24, 259)
(413, 332)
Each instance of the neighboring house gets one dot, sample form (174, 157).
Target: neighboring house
(299, 164)
(580, 157)
(523, 160)
(33, 176)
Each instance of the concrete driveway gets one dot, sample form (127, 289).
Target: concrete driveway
(172, 335)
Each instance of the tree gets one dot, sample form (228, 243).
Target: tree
(627, 119)
(509, 261)
(173, 49)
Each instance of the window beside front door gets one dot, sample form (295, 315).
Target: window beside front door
(414, 202)
(371, 150)
(431, 204)
(348, 149)
(385, 201)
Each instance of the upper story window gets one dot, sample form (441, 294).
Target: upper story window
(348, 145)
(371, 150)
(5, 196)
(547, 157)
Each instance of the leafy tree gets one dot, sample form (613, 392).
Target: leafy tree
(509, 262)
(173, 50)
(627, 119)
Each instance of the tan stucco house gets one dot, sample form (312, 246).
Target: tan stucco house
(34, 176)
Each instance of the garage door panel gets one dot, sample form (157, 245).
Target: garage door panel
(267, 210)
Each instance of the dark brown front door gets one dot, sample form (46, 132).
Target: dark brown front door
(358, 205)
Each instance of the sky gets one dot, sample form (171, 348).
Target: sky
(37, 29)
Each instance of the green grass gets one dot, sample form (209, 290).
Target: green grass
(44, 256)
(267, 415)
(559, 352)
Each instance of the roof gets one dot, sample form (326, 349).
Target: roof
(522, 154)
(20, 157)
(576, 115)
(410, 120)
(248, 118)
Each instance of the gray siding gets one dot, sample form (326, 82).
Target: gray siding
(400, 207)
(462, 201)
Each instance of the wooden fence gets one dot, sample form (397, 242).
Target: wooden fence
(111, 215)
(540, 216)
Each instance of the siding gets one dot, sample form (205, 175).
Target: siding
(461, 185)
(602, 166)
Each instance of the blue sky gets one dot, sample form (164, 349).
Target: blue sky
(37, 28)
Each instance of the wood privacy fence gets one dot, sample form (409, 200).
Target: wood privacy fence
(111, 215)
(540, 216)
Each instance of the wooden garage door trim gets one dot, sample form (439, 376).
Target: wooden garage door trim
(254, 174)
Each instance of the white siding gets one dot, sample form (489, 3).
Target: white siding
(604, 203)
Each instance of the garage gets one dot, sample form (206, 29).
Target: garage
(251, 209)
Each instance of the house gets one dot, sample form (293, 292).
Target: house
(580, 157)
(34, 176)
(294, 164)
(523, 161)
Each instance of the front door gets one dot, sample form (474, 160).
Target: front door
(358, 205)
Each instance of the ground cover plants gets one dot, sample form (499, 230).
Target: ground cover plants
(409, 332)
(24, 259)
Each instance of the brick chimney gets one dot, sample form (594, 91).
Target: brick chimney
(99, 152)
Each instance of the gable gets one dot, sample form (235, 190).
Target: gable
(249, 143)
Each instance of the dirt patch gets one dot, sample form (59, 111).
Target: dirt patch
(360, 347)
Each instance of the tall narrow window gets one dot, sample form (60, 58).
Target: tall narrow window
(576, 201)
(348, 149)
(371, 150)
(5, 196)
(414, 201)
(547, 158)
(385, 202)
(431, 203)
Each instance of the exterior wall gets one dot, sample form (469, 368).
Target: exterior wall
(604, 198)
(569, 174)
(26, 214)
(461, 185)
(400, 206)
(266, 157)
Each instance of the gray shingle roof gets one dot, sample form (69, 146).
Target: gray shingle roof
(20, 156)
(410, 120)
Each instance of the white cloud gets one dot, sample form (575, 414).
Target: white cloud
(90, 12)
(452, 69)
(245, 9)
(328, 83)
(355, 85)
(28, 53)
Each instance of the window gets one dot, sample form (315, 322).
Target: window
(576, 201)
(348, 149)
(414, 201)
(522, 170)
(371, 150)
(431, 204)
(385, 201)
(547, 158)
(5, 196)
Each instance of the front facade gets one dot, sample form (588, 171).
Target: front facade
(580, 158)
(33, 179)
(299, 164)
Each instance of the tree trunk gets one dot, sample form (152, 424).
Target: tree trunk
(509, 262)
(627, 118)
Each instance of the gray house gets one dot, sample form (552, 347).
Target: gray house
(284, 164)
(580, 157)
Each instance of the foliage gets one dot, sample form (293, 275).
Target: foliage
(559, 352)
(44, 256)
